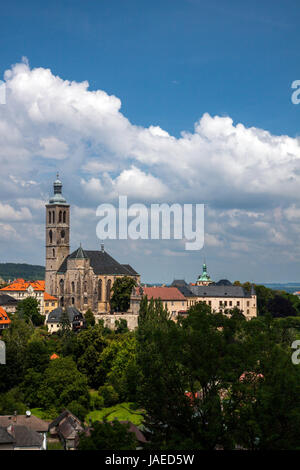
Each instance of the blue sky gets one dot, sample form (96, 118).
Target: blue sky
(168, 62)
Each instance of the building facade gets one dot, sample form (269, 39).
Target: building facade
(84, 278)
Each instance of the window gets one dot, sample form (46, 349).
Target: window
(220, 303)
(248, 303)
(85, 300)
(85, 286)
(100, 289)
(73, 301)
(230, 303)
(60, 216)
(62, 234)
(50, 236)
(49, 218)
(108, 289)
(64, 217)
(238, 303)
(53, 217)
(73, 286)
(248, 312)
(61, 286)
(53, 253)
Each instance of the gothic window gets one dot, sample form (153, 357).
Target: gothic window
(61, 286)
(73, 287)
(53, 253)
(60, 217)
(62, 233)
(64, 217)
(50, 236)
(108, 288)
(49, 217)
(62, 302)
(53, 217)
(100, 289)
(73, 301)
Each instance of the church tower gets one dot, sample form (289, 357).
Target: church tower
(57, 235)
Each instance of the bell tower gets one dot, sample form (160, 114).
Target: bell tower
(57, 235)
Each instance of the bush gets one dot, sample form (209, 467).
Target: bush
(97, 401)
(78, 410)
(109, 395)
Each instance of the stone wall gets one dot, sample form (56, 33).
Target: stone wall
(109, 320)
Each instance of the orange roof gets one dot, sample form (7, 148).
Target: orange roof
(54, 356)
(163, 293)
(3, 317)
(21, 284)
(49, 297)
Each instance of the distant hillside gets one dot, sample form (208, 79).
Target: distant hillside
(29, 272)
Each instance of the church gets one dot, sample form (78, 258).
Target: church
(82, 279)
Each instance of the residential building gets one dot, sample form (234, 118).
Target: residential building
(50, 303)
(222, 296)
(28, 431)
(21, 289)
(55, 319)
(8, 302)
(66, 427)
(4, 320)
(171, 297)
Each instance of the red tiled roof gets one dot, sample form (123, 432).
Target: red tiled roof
(163, 293)
(54, 356)
(4, 317)
(21, 284)
(49, 297)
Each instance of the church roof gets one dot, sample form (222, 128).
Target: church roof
(101, 262)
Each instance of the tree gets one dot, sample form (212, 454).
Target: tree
(62, 384)
(89, 318)
(28, 309)
(16, 338)
(281, 306)
(108, 436)
(217, 380)
(121, 326)
(122, 288)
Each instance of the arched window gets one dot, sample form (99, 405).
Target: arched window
(62, 302)
(61, 287)
(53, 253)
(108, 288)
(64, 217)
(73, 301)
(53, 217)
(50, 236)
(62, 234)
(60, 216)
(73, 287)
(49, 217)
(100, 289)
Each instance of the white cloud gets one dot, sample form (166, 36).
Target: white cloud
(247, 177)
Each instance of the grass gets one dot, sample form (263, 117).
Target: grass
(121, 411)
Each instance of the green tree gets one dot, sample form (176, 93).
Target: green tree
(108, 436)
(16, 339)
(89, 318)
(28, 309)
(121, 291)
(62, 384)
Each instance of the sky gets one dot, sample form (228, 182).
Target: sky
(169, 101)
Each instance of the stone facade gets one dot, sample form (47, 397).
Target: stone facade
(84, 278)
